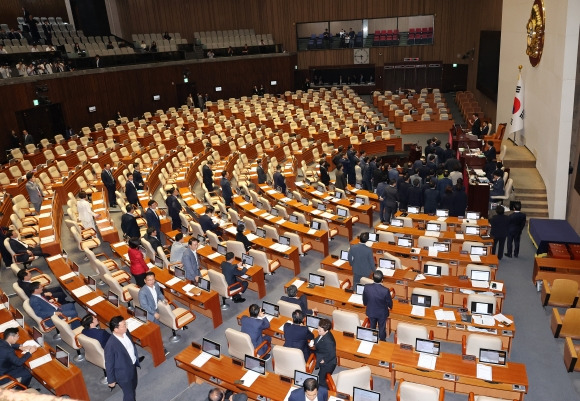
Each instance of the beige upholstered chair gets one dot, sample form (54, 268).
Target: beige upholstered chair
(68, 335)
(175, 319)
(346, 321)
(471, 344)
(219, 284)
(436, 299)
(94, 353)
(286, 360)
(408, 391)
(331, 279)
(346, 380)
(287, 308)
(240, 345)
(408, 333)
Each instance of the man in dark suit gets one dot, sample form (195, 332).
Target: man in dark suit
(431, 198)
(92, 328)
(253, 326)
(517, 222)
(377, 299)
(310, 391)
(24, 282)
(207, 223)
(262, 177)
(325, 348)
(121, 359)
(475, 125)
(389, 199)
(137, 177)
(292, 297)
(361, 258)
(217, 394)
(279, 180)
(208, 175)
(226, 188)
(45, 308)
(131, 191)
(23, 251)
(232, 275)
(497, 184)
(297, 335)
(173, 208)
(190, 261)
(129, 223)
(10, 364)
(499, 230)
(340, 178)
(152, 238)
(28, 138)
(110, 184)
(153, 220)
(490, 153)
(324, 177)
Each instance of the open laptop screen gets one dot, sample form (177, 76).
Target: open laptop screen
(284, 240)
(433, 227)
(441, 246)
(344, 255)
(360, 288)
(293, 218)
(340, 212)
(432, 270)
(315, 225)
(480, 275)
(481, 308)
(247, 260)
(373, 237)
(255, 364)
(478, 250)
(492, 356)
(316, 279)
(386, 263)
(442, 213)
(472, 230)
(211, 347)
(62, 356)
(472, 215)
(360, 394)
(300, 377)
(113, 298)
(312, 321)
(421, 300)
(179, 272)
(427, 346)
(260, 232)
(321, 207)
(370, 335)
(405, 242)
(222, 250)
(271, 309)
(412, 209)
(397, 222)
(204, 284)
(140, 314)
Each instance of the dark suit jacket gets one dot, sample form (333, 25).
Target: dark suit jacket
(476, 127)
(231, 272)
(262, 177)
(118, 362)
(301, 301)
(361, 259)
(517, 222)
(173, 207)
(102, 336)
(325, 347)
(131, 193)
(377, 299)
(253, 327)
(324, 177)
(431, 201)
(297, 336)
(207, 177)
(226, 188)
(340, 181)
(17, 247)
(28, 139)
(279, 181)
(207, 223)
(153, 220)
(108, 180)
(138, 179)
(497, 187)
(8, 359)
(299, 395)
(129, 226)
(41, 307)
(499, 226)
(154, 241)
(241, 237)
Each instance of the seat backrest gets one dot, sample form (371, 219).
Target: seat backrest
(345, 321)
(166, 315)
(30, 312)
(571, 324)
(218, 282)
(408, 391)
(407, 333)
(349, 378)
(236, 247)
(93, 350)
(330, 278)
(287, 359)
(466, 246)
(426, 241)
(444, 267)
(434, 294)
(477, 341)
(563, 291)
(287, 308)
(472, 266)
(66, 333)
(239, 344)
(134, 291)
(488, 299)
(19, 290)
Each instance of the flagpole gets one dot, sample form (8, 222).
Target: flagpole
(519, 77)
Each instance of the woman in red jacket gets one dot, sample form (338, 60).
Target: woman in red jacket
(138, 266)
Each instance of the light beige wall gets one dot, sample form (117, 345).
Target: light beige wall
(549, 89)
(573, 216)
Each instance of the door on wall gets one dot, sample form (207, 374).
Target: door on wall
(183, 90)
(42, 121)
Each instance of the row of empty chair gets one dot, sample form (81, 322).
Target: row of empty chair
(148, 38)
(233, 38)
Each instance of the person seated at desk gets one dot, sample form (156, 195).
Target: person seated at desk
(177, 248)
(325, 348)
(23, 251)
(310, 391)
(497, 186)
(10, 364)
(253, 326)
(92, 329)
(45, 308)
(206, 222)
(232, 273)
(292, 297)
(490, 153)
(153, 239)
(241, 237)
(297, 335)
(24, 282)
(217, 394)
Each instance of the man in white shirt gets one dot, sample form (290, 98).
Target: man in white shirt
(85, 209)
(121, 359)
(149, 295)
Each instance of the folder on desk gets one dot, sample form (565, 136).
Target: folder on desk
(418, 311)
(356, 299)
(427, 361)
(365, 347)
(95, 300)
(484, 372)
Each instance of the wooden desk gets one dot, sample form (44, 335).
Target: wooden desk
(363, 212)
(478, 198)
(223, 373)
(53, 376)
(147, 335)
(318, 239)
(452, 222)
(425, 127)
(551, 268)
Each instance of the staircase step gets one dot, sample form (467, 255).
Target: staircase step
(528, 191)
(536, 213)
(519, 163)
(531, 197)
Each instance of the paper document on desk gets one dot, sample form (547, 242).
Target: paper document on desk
(84, 290)
(281, 221)
(249, 378)
(312, 231)
(458, 236)
(419, 277)
(95, 300)
(40, 361)
(281, 328)
(387, 272)
(500, 317)
(299, 183)
(67, 276)
(441, 218)
(433, 252)
(432, 234)
(46, 240)
(427, 361)
(316, 212)
(328, 198)
(118, 244)
(173, 281)
(188, 287)
(327, 215)
(441, 314)
(483, 320)
(418, 310)
(267, 216)
(8, 324)
(197, 206)
(133, 324)
(484, 372)
(479, 172)
(31, 343)
(298, 283)
(46, 207)
(475, 258)
(356, 204)
(45, 228)
(214, 255)
(317, 193)
(383, 227)
(338, 262)
(271, 191)
(201, 359)
(479, 284)
(44, 215)
(285, 199)
(365, 347)
(356, 299)
(251, 237)
(244, 203)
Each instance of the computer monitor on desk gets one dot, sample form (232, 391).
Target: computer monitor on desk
(365, 334)
(433, 227)
(321, 207)
(338, 195)
(293, 218)
(373, 237)
(270, 309)
(211, 347)
(412, 209)
(179, 272)
(405, 242)
(492, 356)
(387, 263)
(285, 240)
(37, 336)
(92, 283)
(432, 270)
(204, 284)
(480, 275)
(274, 212)
(247, 260)
(140, 314)
(427, 346)
(300, 377)
(360, 394)
(442, 213)
(343, 255)
(305, 201)
(62, 356)
(481, 308)
(222, 250)
(316, 279)
(478, 250)
(359, 289)
(469, 215)
(113, 298)
(441, 246)
(255, 364)
(421, 300)
(341, 212)
(312, 321)
(260, 232)
(397, 222)
(315, 225)
(472, 230)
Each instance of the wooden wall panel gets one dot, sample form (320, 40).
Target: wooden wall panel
(11, 9)
(131, 91)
